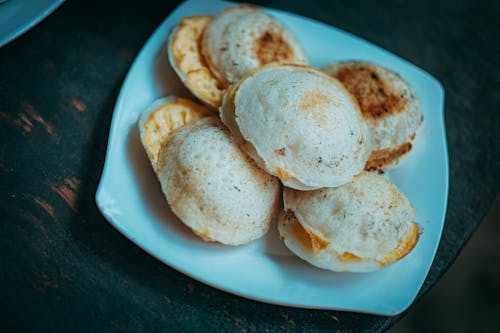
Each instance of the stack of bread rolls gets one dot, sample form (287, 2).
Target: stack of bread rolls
(271, 140)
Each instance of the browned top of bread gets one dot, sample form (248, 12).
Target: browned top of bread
(271, 47)
(243, 38)
(389, 104)
(375, 97)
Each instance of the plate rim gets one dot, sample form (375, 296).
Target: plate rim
(23, 28)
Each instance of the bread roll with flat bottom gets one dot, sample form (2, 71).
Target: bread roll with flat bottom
(361, 226)
(389, 105)
(298, 124)
(243, 38)
(214, 187)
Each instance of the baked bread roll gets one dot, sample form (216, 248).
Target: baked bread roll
(361, 226)
(215, 188)
(243, 38)
(389, 105)
(298, 124)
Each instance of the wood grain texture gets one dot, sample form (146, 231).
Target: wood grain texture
(64, 268)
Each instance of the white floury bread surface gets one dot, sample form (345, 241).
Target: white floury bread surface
(298, 124)
(214, 187)
(243, 38)
(389, 105)
(361, 226)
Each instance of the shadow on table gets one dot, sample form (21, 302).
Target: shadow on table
(467, 298)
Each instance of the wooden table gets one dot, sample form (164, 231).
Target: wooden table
(64, 268)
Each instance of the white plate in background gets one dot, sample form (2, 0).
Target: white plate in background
(129, 195)
(18, 16)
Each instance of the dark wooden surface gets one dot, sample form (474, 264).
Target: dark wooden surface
(64, 268)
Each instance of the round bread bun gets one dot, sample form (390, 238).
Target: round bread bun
(243, 38)
(187, 61)
(389, 106)
(215, 188)
(161, 118)
(361, 226)
(298, 124)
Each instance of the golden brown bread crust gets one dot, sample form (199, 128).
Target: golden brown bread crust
(189, 63)
(312, 99)
(375, 98)
(282, 173)
(307, 238)
(384, 157)
(203, 235)
(271, 47)
(404, 247)
(315, 244)
(349, 257)
(162, 118)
